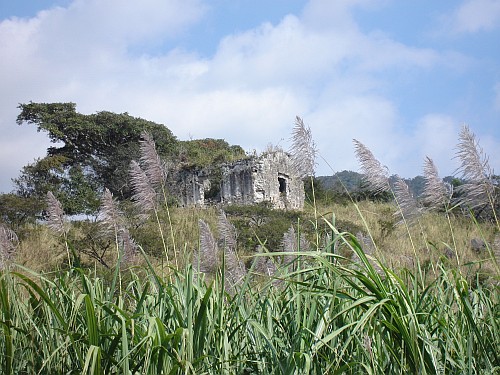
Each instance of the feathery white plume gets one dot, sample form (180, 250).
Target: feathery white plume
(303, 149)
(375, 174)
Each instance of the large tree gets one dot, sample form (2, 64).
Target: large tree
(90, 152)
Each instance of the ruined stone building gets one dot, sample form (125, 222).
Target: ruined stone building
(266, 178)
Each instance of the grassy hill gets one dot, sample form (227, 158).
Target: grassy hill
(374, 282)
(281, 292)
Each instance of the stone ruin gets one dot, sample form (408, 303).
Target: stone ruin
(269, 177)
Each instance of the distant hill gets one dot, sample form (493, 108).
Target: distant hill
(416, 185)
(352, 181)
(342, 180)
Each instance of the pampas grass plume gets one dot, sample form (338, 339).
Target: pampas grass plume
(437, 193)
(227, 231)
(130, 248)
(478, 189)
(110, 216)
(144, 194)
(113, 224)
(208, 254)
(408, 207)
(8, 243)
(55, 214)
(235, 271)
(374, 173)
(153, 166)
(303, 149)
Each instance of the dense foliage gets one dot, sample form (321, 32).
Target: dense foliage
(323, 318)
(208, 152)
(150, 289)
(93, 152)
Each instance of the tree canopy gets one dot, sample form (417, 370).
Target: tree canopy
(90, 152)
(208, 152)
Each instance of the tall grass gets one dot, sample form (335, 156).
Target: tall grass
(333, 307)
(327, 316)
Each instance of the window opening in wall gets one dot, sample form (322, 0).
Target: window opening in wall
(282, 185)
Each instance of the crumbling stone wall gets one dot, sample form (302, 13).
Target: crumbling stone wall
(189, 186)
(268, 178)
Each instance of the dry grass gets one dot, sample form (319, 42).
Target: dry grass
(430, 237)
(427, 241)
(41, 251)
(423, 237)
(321, 313)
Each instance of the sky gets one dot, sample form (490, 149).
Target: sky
(402, 77)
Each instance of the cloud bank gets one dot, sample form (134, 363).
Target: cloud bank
(476, 15)
(318, 64)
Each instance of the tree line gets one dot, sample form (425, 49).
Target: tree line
(93, 152)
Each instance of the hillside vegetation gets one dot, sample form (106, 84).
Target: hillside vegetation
(92, 153)
(377, 282)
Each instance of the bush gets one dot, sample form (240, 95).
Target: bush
(260, 223)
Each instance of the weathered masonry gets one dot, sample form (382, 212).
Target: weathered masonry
(191, 187)
(266, 178)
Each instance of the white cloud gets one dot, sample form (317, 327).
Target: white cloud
(18, 147)
(116, 25)
(436, 136)
(81, 54)
(352, 117)
(320, 15)
(475, 15)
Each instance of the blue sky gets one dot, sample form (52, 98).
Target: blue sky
(401, 77)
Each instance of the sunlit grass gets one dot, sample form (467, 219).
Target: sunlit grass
(327, 316)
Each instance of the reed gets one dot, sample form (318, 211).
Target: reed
(157, 172)
(113, 223)
(8, 245)
(57, 222)
(478, 191)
